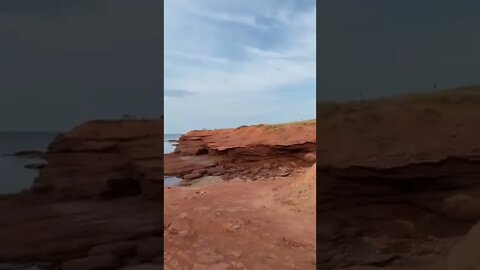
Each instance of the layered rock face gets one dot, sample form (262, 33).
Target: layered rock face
(62, 223)
(105, 159)
(398, 179)
(214, 226)
(111, 159)
(253, 152)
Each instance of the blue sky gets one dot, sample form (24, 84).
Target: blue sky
(232, 63)
(383, 48)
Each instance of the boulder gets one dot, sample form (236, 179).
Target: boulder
(194, 175)
(216, 171)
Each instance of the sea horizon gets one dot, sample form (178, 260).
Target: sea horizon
(15, 177)
(168, 147)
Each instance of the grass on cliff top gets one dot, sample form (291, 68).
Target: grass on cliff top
(295, 123)
(468, 95)
(281, 125)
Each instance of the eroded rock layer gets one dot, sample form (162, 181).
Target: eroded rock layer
(266, 221)
(62, 224)
(104, 159)
(398, 179)
(253, 152)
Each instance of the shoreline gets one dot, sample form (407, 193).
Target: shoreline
(238, 190)
(105, 156)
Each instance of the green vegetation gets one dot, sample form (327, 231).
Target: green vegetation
(428, 102)
(330, 109)
(296, 123)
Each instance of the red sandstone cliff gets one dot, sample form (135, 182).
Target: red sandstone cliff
(398, 179)
(253, 152)
(104, 158)
(63, 224)
(267, 198)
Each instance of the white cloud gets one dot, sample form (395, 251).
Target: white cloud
(199, 57)
(235, 18)
(177, 93)
(237, 49)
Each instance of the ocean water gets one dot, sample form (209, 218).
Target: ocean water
(169, 148)
(14, 177)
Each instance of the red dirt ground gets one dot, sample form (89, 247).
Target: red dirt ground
(242, 225)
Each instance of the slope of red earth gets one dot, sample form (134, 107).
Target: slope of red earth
(247, 201)
(399, 181)
(87, 209)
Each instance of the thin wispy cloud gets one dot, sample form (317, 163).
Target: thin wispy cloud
(177, 93)
(235, 18)
(234, 48)
(199, 57)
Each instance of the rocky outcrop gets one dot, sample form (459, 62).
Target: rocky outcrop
(105, 159)
(253, 152)
(398, 179)
(213, 226)
(397, 214)
(63, 222)
(78, 234)
(399, 131)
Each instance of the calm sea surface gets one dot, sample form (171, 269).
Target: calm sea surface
(13, 176)
(169, 148)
